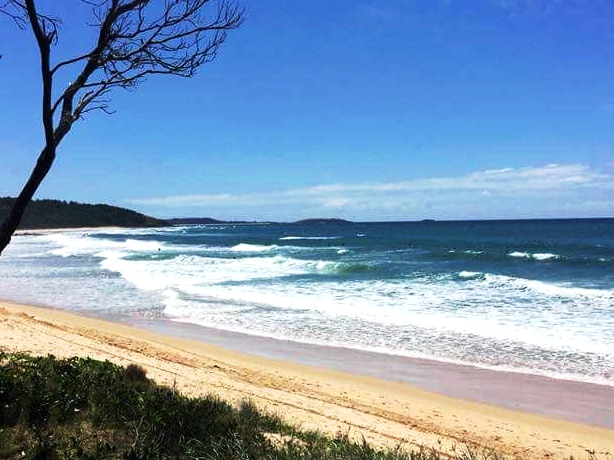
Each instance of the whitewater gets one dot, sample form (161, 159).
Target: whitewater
(526, 296)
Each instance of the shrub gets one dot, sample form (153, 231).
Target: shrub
(79, 408)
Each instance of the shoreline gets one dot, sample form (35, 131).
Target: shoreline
(601, 376)
(535, 394)
(218, 335)
(386, 413)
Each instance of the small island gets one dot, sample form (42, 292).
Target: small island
(322, 221)
(204, 221)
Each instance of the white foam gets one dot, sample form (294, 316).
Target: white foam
(544, 256)
(523, 255)
(74, 244)
(540, 256)
(25, 246)
(82, 243)
(551, 289)
(251, 293)
(111, 254)
(244, 247)
(496, 306)
(142, 246)
(480, 307)
(342, 340)
(468, 274)
(185, 271)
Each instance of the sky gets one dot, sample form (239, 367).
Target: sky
(363, 110)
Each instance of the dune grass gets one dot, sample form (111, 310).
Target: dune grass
(80, 408)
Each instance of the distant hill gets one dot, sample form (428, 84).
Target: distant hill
(203, 221)
(323, 221)
(62, 214)
(193, 221)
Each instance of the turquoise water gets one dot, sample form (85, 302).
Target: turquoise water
(530, 296)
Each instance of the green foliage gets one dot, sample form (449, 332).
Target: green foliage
(62, 214)
(79, 408)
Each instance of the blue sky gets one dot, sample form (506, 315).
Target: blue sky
(374, 110)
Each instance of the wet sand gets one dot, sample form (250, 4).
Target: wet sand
(579, 402)
(390, 410)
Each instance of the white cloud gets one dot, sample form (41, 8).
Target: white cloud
(489, 193)
(336, 203)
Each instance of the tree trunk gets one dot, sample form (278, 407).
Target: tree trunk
(13, 219)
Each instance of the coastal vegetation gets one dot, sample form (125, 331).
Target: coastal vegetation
(62, 214)
(80, 408)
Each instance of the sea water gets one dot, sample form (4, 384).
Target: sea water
(531, 296)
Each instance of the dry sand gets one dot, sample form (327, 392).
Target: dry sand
(385, 413)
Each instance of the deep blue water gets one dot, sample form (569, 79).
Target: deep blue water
(534, 296)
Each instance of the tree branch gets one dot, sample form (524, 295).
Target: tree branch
(136, 39)
(44, 40)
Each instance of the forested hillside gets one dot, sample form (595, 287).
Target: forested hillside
(63, 214)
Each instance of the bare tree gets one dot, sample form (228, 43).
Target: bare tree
(136, 38)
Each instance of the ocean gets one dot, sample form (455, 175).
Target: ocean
(534, 296)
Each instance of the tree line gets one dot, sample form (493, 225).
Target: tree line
(41, 214)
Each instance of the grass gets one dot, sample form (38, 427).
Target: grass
(80, 408)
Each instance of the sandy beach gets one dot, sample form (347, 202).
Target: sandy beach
(386, 413)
